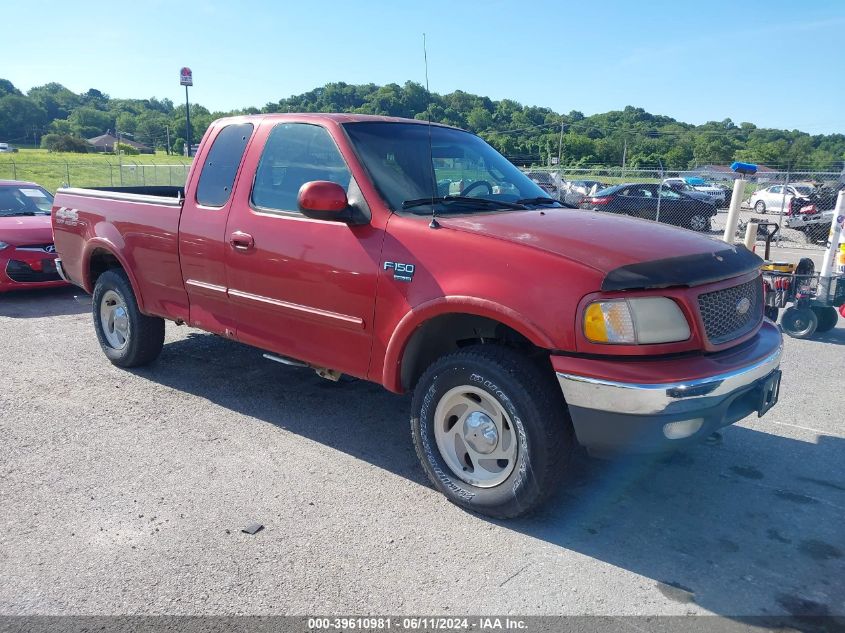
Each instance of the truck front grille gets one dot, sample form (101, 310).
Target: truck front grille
(732, 312)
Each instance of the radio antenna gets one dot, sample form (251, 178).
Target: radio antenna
(434, 224)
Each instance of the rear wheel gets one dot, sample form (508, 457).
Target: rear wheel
(128, 338)
(799, 322)
(491, 430)
(760, 206)
(827, 317)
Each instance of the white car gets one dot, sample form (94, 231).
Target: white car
(6, 148)
(772, 198)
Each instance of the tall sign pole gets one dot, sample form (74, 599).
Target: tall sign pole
(186, 78)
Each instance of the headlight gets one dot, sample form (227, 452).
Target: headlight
(642, 321)
(3, 245)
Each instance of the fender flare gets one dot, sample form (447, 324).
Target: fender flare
(420, 314)
(101, 243)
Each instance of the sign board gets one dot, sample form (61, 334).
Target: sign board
(186, 77)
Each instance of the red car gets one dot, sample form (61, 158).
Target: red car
(27, 254)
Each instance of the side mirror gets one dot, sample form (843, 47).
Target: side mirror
(323, 200)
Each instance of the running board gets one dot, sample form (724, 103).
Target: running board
(284, 360)
(322, 372)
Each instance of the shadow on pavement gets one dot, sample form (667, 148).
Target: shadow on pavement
(836, 336)
(48, 302)
(752, 525)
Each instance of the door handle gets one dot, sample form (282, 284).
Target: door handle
(241, 241)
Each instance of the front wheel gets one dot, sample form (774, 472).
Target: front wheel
(491, 430)
(128, 337)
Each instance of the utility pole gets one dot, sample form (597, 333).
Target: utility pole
(624, 157)
(117, 149)
(560, 145)
(167, 132)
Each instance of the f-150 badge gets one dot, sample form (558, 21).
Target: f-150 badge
(401, 272)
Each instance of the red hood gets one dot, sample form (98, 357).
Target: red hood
(26, 229)
(615, 244)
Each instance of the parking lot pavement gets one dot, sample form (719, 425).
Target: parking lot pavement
(125, 492)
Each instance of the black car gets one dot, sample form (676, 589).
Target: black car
(653, 202)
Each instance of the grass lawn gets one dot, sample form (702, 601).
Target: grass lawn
(52, 170)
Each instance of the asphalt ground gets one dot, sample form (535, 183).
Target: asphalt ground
(125, 492)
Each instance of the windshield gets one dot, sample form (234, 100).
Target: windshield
(804, 191)
(454, 167)
(24, 200)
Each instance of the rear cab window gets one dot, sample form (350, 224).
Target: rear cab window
(220, 167)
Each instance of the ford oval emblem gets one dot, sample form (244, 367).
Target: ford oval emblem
(743, 305)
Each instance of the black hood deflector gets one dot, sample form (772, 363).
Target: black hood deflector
(687, 270)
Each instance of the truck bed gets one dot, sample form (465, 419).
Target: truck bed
(137, 225)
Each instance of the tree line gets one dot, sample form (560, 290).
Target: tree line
(525, 134)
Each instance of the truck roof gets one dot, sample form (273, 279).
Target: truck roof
(336, 117)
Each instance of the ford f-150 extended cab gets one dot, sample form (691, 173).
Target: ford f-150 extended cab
(341, 243)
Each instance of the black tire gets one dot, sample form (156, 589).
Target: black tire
(827, 318)
(799, 322)
(760, 206)
(533, 402)
(145, 333)
(700, 222)
(771, 313)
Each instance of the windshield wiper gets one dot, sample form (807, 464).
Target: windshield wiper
(12, 214)
(540, 200)
(418, 202)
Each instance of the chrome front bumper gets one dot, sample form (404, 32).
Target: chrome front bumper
(61, 270)
(611, 417)
(656, 399)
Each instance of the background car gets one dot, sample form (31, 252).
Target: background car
(640, 200)
(713, 195)
(772, 198)
(574, 191)
(27, 254)
(716, 192)
(548, 182)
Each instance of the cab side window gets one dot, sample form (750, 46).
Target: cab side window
(296, 153)
(221, 165)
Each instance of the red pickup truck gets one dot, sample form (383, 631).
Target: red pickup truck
(416, 256)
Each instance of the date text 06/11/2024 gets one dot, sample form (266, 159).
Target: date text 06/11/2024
(416, 624)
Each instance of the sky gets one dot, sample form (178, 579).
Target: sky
(776, 64)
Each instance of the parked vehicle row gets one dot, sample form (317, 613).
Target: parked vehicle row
(654, 202)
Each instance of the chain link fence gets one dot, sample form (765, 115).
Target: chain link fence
(55, 174)
(800, 203)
